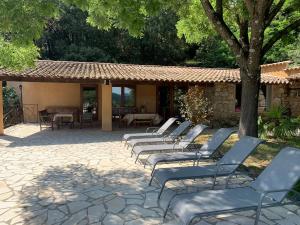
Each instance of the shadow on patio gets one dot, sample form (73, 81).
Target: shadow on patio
(30, 135)
(76, 194)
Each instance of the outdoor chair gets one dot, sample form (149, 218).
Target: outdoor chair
(46, 119)
(86, 118)
(151, 131)
(269, 189)
(157, 140)
(180, 145)
(206, 151)
(226, 166)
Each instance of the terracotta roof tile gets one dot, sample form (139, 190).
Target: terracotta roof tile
(55, 70)
(294, 77)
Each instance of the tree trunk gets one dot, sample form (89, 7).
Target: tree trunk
(249, 105)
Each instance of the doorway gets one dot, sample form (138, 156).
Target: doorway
(89, 101)
(165, 101)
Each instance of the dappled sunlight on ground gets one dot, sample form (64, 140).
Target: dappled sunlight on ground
(74, 176)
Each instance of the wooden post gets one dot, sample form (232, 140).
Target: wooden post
(106, 96)
(1, 110)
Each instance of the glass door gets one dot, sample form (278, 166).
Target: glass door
(89, 101)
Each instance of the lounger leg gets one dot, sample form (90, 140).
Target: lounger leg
(151, 180)
(161, 190)
(258, 210)
(214, 183)
(146, 161)
(168, 206)
(137, 157)
(153, 169)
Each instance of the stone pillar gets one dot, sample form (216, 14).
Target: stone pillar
(1, 110)
(106, 96)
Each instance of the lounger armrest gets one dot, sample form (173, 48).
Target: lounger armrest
(218, 165)
(152, 129)
(227, 164)
(235, 173)
(266, 193)
(166, 137)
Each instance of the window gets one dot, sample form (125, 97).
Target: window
(123, 96)
(129, 97)
(116, 96)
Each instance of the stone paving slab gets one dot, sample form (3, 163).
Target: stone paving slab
(79, 177)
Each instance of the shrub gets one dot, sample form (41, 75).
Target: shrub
(278, 123)
(10, 99)
(195, 106)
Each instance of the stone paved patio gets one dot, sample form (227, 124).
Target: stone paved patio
(87, 177)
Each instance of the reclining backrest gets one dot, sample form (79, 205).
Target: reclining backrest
(282, 173)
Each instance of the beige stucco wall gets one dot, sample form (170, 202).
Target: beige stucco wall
(106, 107)
(37, 96)
(146, 95)
(99, 102)
(51, 94)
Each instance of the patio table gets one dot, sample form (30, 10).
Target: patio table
(143, 116)
(63, 115)
(57, 118)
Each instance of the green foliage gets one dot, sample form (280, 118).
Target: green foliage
(10, 99)
(277, 123)
(71, 38)
(17, 57)
(285, 49)
(193, 24)
(213, 52)
(21, 22)
(195, 106)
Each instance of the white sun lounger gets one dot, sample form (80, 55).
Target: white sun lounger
(151, 131)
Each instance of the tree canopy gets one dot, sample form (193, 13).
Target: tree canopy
(22, 22)
(71, 38)
(66, 35)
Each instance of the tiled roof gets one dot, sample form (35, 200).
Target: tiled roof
(294, 76)
(67, 70)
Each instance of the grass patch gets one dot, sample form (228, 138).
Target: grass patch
(262, 156)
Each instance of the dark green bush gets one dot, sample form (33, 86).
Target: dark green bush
(278, 123)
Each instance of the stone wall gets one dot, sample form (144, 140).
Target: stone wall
(222, 96)
(279, 95)
(294, 98)
(224, 104)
